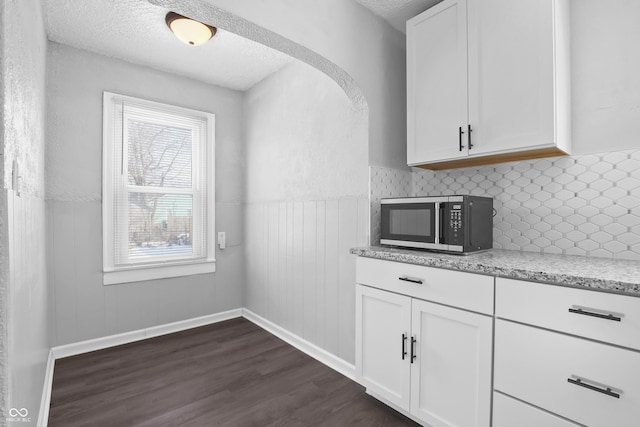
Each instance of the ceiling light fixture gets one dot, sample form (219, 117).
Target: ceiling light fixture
(189, 31)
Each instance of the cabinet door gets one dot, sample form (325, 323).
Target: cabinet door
(383, 319)
(512, 75)
(451, 375)
(437, 82)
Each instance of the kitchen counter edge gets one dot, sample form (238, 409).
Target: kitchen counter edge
(601, 274)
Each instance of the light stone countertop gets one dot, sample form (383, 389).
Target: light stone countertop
(609, 275)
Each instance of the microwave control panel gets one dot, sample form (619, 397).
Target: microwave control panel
(455, 229)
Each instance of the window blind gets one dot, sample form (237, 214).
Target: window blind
(159, 183)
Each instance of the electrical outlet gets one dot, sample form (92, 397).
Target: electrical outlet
(222, 239)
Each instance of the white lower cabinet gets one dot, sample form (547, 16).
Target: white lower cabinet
(429, 360)
(428, 344)
(508, 412)
(571, 352)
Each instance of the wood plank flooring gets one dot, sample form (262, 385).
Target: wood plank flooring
(231, 373)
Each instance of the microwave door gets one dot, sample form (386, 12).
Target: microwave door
(409, 224)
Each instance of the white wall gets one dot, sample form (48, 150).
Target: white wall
(24, 313)
(84, 308)
(369, 50)
(287, 275)
(4, 237)
(311, 211)
(304, 138)
(306, 180)
(605, 72)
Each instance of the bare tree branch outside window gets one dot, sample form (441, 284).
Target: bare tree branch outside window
(160, 157)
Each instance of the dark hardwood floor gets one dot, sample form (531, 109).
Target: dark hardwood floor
(231, 373)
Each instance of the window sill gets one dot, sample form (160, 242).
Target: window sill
(140, 274)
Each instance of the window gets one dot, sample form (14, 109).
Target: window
(158, 190)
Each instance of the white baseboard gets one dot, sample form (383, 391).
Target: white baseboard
(141, 334)
(43, 415)
(321, 355)
(59, 352)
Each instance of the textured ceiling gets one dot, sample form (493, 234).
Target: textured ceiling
(397, 12)
(135, 31)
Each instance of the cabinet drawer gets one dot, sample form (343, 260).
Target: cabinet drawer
(548, 306)
(508, 412)
(534, 365)
(464, 290)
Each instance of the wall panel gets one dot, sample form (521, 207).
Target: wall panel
(313, 294)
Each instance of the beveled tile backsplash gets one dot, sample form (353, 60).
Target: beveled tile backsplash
(579, 205)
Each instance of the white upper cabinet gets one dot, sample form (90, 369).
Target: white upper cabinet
(437, 81)
(488, 81)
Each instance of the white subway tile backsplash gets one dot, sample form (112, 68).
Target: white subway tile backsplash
(582, 205)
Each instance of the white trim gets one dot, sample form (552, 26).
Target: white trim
(330, 360)
(210, 220)
(45, 401)
(116, 187)
(163, 107)
(321, 355)
(139, 274)
(141, 334)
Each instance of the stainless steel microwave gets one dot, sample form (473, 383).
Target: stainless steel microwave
(459, 224)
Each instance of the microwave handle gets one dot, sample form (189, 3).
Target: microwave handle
(436, 228)
(440, 219)
(468, 223)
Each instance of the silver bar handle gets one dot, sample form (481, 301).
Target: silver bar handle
(410, 279)
(594, 312)
(404, 346)
(413, 348)
(437, 224)
(592, 385)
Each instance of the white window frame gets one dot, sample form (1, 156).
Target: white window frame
(113, 187)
